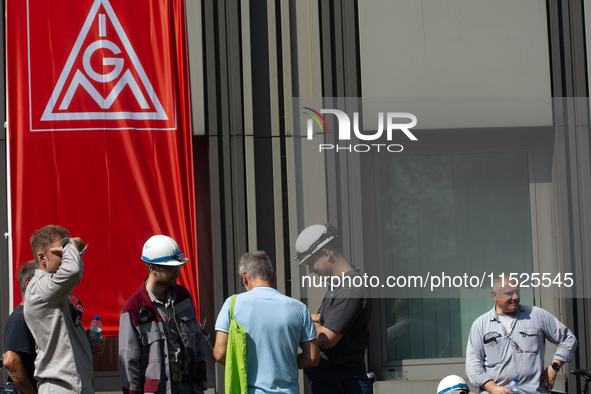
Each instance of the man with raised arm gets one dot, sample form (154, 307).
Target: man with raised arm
(64, 355)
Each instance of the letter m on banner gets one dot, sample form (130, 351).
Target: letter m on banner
(100, 140)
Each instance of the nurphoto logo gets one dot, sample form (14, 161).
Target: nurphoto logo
(344, 130)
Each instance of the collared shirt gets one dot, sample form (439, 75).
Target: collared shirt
(495, 354)
(164, 307)
(64, 359)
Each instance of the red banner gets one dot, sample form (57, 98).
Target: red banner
(100, 137)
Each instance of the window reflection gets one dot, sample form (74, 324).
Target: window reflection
(453, 213)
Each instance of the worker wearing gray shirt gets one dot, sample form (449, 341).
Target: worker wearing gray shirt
(509, 342)
(64, 359)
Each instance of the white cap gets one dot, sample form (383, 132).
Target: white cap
(163, 250)
(312, 239)
(452, 384)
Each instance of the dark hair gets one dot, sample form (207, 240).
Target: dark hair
(334, 244)
(26, 272)
(45, 236)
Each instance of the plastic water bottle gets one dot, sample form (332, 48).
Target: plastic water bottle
(513, 386)
(96, 329)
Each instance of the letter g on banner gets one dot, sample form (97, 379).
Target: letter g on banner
(117, 62)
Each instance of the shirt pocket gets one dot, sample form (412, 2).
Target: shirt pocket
(154, 342)
(188, 324)
(527, 339)
(492, 348)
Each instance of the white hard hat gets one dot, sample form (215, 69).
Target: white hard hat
(452, 384)
(163, 250)
(312, 239)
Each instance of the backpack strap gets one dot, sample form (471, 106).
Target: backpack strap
(232, 302)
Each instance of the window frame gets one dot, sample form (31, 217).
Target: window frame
(538, 143)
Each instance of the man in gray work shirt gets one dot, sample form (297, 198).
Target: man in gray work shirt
(509, 342)
(64, 356)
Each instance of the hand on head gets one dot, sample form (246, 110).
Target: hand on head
(77, 241)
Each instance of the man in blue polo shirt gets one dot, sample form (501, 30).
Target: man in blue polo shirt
(277, 326)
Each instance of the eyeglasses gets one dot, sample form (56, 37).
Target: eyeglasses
(76, 309)
(171, 269)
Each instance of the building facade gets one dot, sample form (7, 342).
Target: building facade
(499, 178)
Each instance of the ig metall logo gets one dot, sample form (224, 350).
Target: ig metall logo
(393, 124)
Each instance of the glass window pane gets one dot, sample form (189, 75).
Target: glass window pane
(453, 213)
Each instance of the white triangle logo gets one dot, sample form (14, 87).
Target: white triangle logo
(80, 80)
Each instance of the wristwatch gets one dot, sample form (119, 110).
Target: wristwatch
(555, 366)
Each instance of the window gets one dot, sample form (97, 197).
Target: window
(452, 213)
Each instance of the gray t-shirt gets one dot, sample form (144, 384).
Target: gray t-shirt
(506, 320)
(346, 310)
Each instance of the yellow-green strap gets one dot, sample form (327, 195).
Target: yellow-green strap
(232, 301)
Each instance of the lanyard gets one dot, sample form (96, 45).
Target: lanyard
(512, 325)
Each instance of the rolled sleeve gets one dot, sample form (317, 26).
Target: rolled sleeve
(475, 357)
(559, 334)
